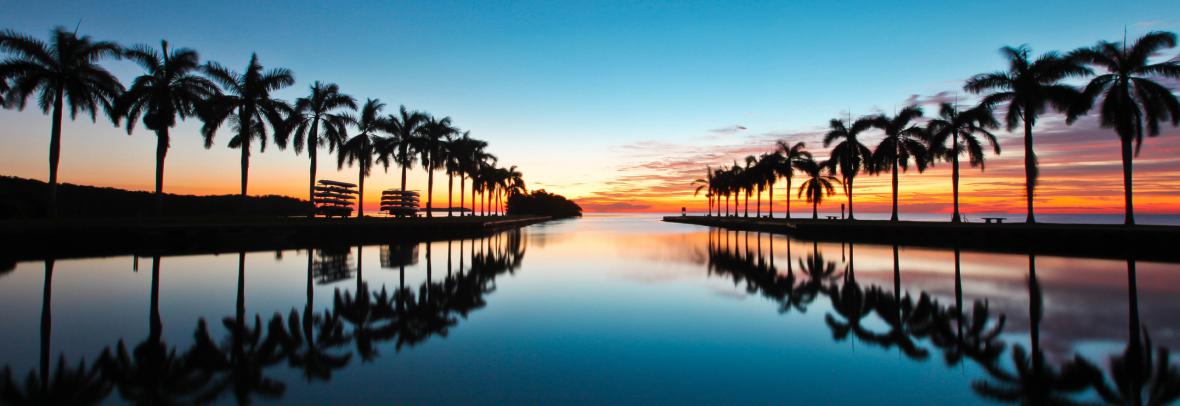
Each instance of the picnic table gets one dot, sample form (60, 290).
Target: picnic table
(989, 220)
(831, 217)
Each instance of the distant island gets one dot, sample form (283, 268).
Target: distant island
(542, 203)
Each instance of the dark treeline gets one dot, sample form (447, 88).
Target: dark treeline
(1128, 91)
(542, 203)
(24, 198)
(65, 74)
(922, 327)
(238, 366)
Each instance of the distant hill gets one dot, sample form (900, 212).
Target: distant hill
(25, 198)
(543, 203)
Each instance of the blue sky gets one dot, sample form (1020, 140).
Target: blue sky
(558, 87)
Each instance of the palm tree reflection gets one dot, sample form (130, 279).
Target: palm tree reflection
(78, 385)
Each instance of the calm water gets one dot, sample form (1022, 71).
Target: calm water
(604, 309)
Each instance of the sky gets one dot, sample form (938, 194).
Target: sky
(618, 105)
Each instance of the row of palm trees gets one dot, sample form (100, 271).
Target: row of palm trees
(1131, 100)
(65, 74)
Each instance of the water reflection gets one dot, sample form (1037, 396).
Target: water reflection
(1142, 375)
(343, 319)
(239, 364)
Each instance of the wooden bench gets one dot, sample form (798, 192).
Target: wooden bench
(989, 220)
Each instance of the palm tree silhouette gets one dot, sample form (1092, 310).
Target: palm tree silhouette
(406, 127)
(319, 119)
(1130, 98)
(1029, 86)
(1142, 375)
(467, 152)
(63, 73)
(240, 363)
(434, 135)
(973, 336)
(453, 165)
(903, 140)
(817, 185)
(313, 335)
(850, 156)
(963, 129)
(246, 102)
(792, 156)
(1032, 381)
(68, 385)
(360, 148)
(153, 373)
(169, 88)
(706, 184)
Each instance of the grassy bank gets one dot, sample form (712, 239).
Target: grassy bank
(26, 239)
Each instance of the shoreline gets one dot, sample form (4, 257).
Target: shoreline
(25, 239)
(1145, 242)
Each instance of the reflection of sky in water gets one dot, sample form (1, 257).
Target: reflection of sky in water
(608, 308)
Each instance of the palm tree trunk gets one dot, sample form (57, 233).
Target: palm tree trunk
(1030, 162)
(849, 183)
(54, 153)
(156, 326)
(462, 193)
(746, 213)
(1128, 205)
(788, 198)
(450, 194)
(758, 206)
(955, 218)
(815, 209)
(46, 326)
(770, 201)
(161, 152)
(1035, 303)
(429, 188)
(360, 202)
(1135, 339)
(893, 217)
(311, 153)
(245, 171)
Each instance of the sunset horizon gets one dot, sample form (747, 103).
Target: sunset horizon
(631, 163)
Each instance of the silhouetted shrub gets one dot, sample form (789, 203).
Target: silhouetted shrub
(25, 198)
(543, 203)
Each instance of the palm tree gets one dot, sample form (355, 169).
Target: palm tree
(434, 134)
(764, 177)
(452, 166)
(63, 385)
(247, 103)
(903, 140)
(1130, 98)
(706, 184)
(817, 185)
(1029, 86)
(169, 88)
(406, 127)
(791, 156)
(153, 373)
(63, 73)
(360, 148)
(850, 156)
(467, 152)
(748, 180)
(512, 183)
(318, 119)
(963, 129)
